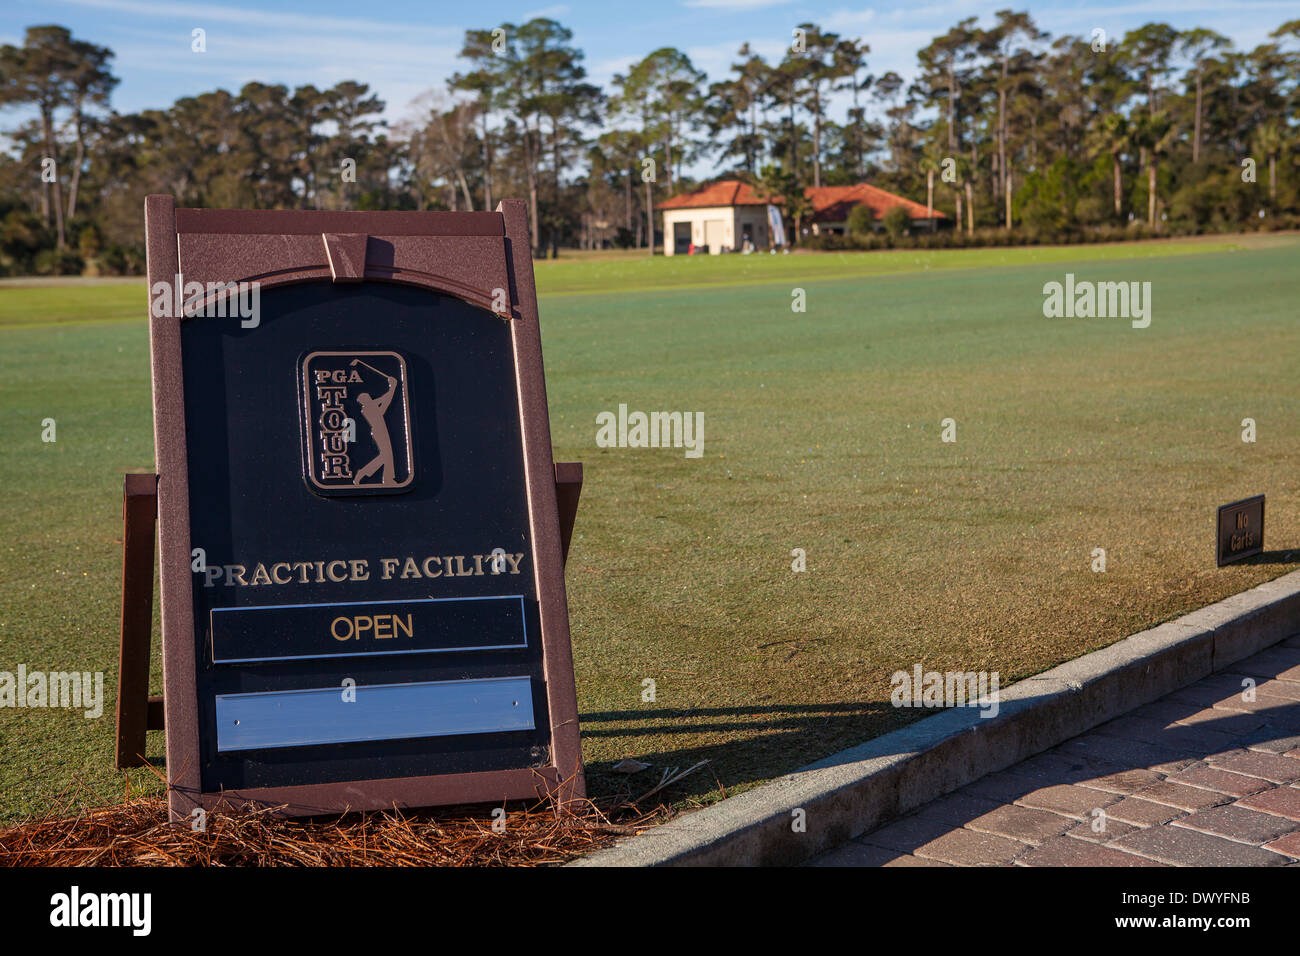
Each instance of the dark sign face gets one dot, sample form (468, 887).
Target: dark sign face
(362, 579)
(356, 423)
(1240, 530)
(345, 630)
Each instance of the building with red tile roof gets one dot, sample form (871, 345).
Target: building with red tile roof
(832, 205)
(725, 192)
(730, 214)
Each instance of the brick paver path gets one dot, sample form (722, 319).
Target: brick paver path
(1202, 777)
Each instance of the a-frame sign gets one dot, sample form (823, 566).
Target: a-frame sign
(361, 554)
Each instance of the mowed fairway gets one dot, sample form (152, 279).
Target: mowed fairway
(821, 432)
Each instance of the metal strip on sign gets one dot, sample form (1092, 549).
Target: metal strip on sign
(328, 715)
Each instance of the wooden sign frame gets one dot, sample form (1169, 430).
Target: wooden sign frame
(468, 255)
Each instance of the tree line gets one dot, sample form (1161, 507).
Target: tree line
(1004, 128)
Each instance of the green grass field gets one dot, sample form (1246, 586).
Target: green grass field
(821, 432)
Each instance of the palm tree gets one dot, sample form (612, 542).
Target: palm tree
(1155, 133)
(1269, 141)
(783, 187)
(930, 164)
(965, 185)
(1114, 135)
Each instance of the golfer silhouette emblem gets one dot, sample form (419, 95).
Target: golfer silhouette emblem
(372, 410)
(356, 423)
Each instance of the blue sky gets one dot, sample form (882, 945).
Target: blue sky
(325, 41)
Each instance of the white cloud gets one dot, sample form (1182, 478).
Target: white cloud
(602, 72)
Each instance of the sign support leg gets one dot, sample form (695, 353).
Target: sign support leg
(568, 487)
(136, 711)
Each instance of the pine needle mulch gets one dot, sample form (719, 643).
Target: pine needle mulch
(136, 832)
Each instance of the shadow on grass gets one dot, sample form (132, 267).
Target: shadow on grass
(788, 716)
(1272, 557)
(771, 734)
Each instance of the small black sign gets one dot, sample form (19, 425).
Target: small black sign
(1240, 530)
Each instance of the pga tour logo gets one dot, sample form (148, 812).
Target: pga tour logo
(356, 423)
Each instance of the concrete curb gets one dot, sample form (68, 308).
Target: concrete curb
(858, 789)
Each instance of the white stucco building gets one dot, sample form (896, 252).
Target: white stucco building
(716, 218)
(721, 216)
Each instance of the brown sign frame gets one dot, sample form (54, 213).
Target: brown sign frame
(469, 255)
